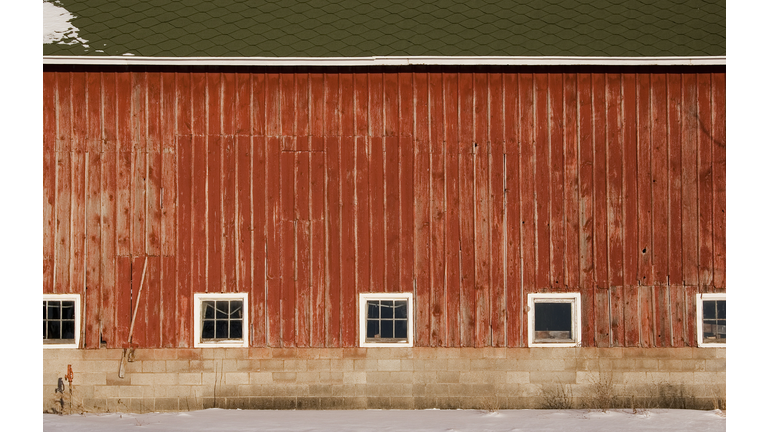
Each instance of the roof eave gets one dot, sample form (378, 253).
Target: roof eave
(384, 61)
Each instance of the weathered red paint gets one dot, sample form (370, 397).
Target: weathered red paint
(303, 188)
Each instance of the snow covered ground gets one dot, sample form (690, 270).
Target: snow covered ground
(375, 420)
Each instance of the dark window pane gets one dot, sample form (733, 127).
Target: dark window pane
(54, 310)
(401, 309)
(68, 310)
(45, 309)
(372, 329)
(386, 308)
(54, 330)
(67, 329)
(236, 329)
(552, 317)
(207, 332)
(401, 329)
(387, 329)
(208, 309)
(709, 309)
(45, 328)
(373, 309)
(236, 309)
(721, 309)
(222, 329)
(222, 309)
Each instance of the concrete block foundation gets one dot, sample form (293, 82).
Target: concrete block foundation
(159, 380)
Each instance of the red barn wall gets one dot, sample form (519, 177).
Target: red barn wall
(470, 187)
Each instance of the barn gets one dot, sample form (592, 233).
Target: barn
(383, 204)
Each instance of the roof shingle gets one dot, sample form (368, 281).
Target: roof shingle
(364, 28)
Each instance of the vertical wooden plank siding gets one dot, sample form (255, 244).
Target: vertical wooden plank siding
(470, 187)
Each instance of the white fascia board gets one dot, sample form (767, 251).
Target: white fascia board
(383, 61)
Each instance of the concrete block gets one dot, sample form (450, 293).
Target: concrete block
(423, 353)
(132, 391)
(260, 378)
(196, 366)
(312, 377)
(342, 365)
(319, 364)
(117, 404)
(248, 365)
(483, 353)
(319, 390)
(284, 353)
(694, 365)
(670, 365)
(236, 353)
(177, 365)
(88, 378)
(680, 377)
(156, 354)
(191, 378)
(518, 353)
(259, 353)
(424, 377)
(437, 390)
(401, 403)
(153, 379)
(388, 365)
(312, 353)
(366, 365)
(538, 377)
(236, 378)
(658, 377)
(170, 404)
(284, 376)
(354, 378)
(343, 390)
(331, 377)
(481, 377)
(153, 366)
(103, 354)
(271, 365)
(382, 353)
(295, 365)
(705, 353)
(514, 377)
(213, 353)
(171, 391)
(64, 355)
(552, 353)
(106, 391)
(189, 353)
(354, 353)
(492, 364)
(447, 377)
(715, 365)
(648, 364)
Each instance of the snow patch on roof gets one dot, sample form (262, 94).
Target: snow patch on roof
(57, 27)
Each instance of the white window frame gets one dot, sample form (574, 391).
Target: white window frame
(574, 299)
(198, 320)
(363, 314)
(78, 318)
(700, 298)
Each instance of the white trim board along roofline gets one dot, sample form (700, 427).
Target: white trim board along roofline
(127, 60)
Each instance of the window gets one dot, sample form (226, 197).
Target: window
(710, 310)
(221, 320)
(61, 320)
(386, 320)
(554, 319)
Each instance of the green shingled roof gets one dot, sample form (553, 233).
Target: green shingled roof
(364, 28)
